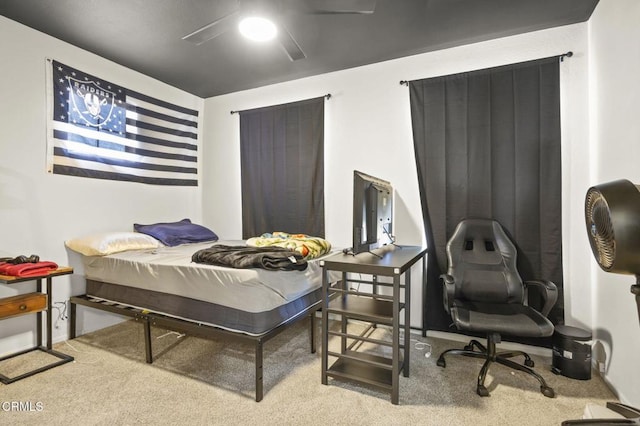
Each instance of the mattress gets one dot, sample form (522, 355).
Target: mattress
(165, 281)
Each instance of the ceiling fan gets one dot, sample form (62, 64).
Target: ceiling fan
(273, 11)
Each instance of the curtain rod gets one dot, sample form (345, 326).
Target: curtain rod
(568, 55)
(327, 97)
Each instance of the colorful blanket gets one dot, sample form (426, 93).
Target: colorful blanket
(307, 246)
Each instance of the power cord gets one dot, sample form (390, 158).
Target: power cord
(98, 359)
(422, 346)
(357, 287)
(419, 345)
(168, 333)
(61, 307)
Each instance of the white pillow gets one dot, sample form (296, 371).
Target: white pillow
(112, 242)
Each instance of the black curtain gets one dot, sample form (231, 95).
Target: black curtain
(282, 168)
(487, 144)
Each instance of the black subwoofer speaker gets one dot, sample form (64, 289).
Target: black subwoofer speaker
(571, 352)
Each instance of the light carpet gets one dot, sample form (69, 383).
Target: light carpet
(205, 382)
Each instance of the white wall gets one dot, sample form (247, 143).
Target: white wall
(614, 33)
(39, 211)
(368, 127)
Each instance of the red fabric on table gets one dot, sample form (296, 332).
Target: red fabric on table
(27, 269)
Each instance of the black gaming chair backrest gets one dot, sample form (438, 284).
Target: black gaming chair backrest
(482, 261)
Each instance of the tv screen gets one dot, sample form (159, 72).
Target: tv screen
(372, 212)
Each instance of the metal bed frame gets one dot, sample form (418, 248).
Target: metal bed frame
(149, 319)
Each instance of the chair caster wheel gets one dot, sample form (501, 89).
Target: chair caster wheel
(529, 363)
(547, 391)
(441, 362)
(482, 391)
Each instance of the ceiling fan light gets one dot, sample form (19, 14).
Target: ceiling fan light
(257, 28)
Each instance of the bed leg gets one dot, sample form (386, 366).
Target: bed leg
(259, 390)
(312, 331)
(147, 341)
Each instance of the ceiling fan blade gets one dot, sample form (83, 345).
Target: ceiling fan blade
(213, 29)
(338, 7)
(289, 44)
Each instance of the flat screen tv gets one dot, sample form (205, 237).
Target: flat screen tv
(372, 212)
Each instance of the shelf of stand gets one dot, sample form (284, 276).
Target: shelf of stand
(364, 309)
(364, 368)
(362, 337)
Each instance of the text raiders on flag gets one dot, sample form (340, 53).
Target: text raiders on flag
(100, 130)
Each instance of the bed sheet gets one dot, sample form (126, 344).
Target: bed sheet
(170, 270)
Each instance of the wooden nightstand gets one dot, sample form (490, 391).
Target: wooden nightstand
(33, 303)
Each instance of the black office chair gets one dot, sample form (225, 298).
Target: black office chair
(483, 292)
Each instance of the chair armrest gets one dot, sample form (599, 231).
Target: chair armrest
(549, 293)
(448, 292)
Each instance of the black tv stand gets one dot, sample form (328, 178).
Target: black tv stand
(373, 307)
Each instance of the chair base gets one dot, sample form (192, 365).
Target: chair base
(490, 355)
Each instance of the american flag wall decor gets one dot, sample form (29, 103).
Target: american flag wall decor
(100, 130)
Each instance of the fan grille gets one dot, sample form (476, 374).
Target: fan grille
(601, 235)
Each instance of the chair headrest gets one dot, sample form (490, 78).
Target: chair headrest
(481, 241)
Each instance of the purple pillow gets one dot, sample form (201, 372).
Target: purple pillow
(176, 233)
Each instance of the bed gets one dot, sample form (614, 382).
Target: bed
(159, 285)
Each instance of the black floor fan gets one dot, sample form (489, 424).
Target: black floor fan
(612, 214)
